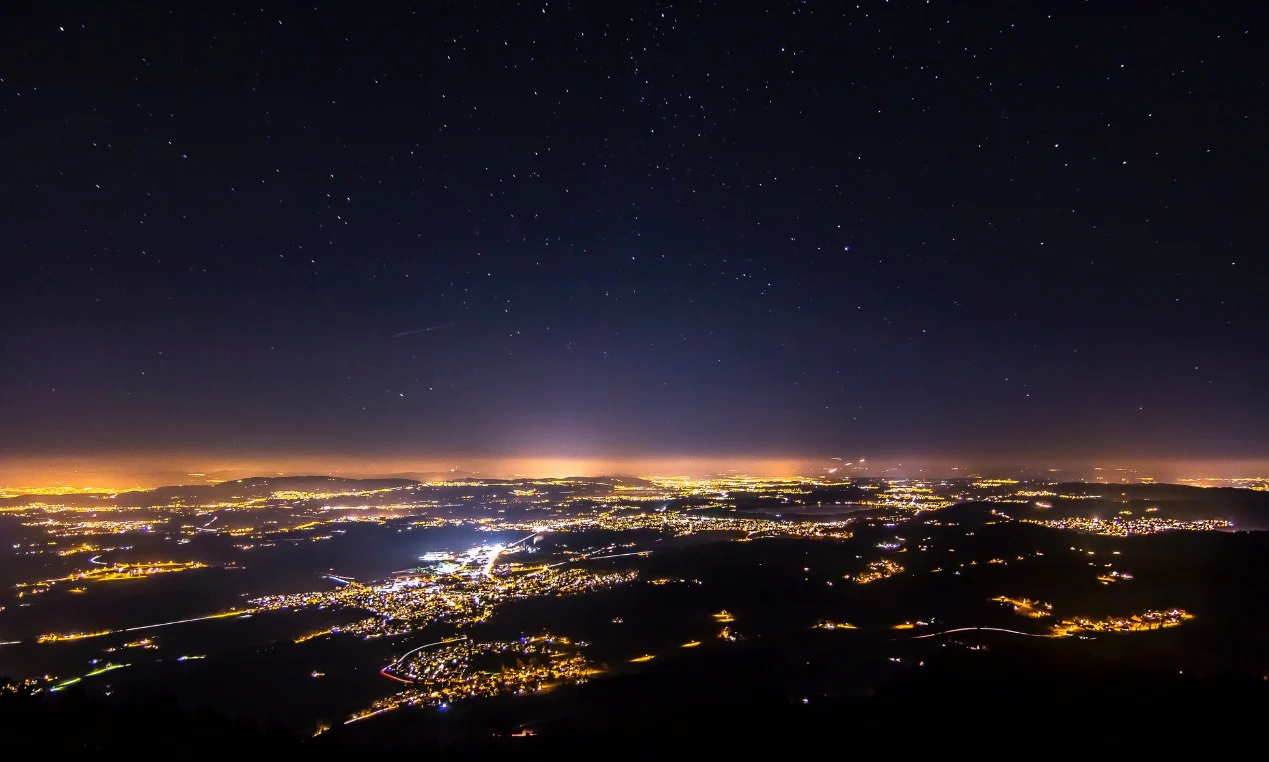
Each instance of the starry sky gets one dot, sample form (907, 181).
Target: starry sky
(635, 229)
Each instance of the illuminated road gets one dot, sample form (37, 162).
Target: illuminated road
(224, 615)
(244, 614)
(493, 558)
(407, 654)
(368, 715)
(588, 557)
(990, 629)
(94, 673)
(497, 550)
(522, 539)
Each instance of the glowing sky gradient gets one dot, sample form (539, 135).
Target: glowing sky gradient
(524, 239)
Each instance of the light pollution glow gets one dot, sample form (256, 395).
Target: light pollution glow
(124, 471)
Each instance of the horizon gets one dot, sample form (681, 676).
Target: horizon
(149, 471)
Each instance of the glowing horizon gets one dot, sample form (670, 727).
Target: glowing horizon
(149, 470)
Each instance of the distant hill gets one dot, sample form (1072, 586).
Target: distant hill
(258, 487)
(1248, 509)
(253, 487)
(316, 483)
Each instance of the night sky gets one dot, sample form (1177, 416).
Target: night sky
(609, 229)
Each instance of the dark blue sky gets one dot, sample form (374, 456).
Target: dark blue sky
(649, 228)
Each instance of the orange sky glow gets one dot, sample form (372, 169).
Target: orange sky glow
(145, 470)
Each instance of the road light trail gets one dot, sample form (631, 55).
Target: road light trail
(368, 715)
(71, 681)
(991, 629)
(493, 558)
(222, 615)
(522, 539)
(412, 651)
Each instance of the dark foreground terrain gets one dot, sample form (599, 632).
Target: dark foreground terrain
(952, 631)
(965, 703)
